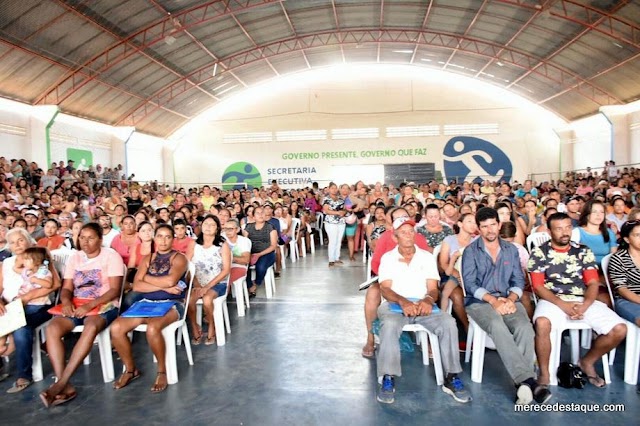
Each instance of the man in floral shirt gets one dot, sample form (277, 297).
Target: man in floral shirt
(565, 277)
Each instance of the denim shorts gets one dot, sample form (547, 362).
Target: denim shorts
(627, 309)
(108, 316)
(220, 289)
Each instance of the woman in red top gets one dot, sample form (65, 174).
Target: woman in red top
(51, 240)
(127, 239)
(145, 247)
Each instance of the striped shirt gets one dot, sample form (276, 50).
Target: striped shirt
(623, 272)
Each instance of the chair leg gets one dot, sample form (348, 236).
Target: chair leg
(467, 352)
(605, 369)
(245, 290)
(477, 364)
(587, 337)
(575, 346)
(169, 334)
(36, 366)
(437, 359)
(283, 258)
(218, 321)
(106, 355)
(199, 314)
(632, 354)
(187, 343)
(554, 356)
(237, 288)
(303, 245)
(269, 284)
(225, 312)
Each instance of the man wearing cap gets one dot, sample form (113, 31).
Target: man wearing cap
(33, 227)
(409, 278)
(494, 281)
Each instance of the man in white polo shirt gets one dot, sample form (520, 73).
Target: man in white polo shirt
(409, 278)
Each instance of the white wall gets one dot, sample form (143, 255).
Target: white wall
(14, 127)
(369, 100)
(22, 136)
(144, 157)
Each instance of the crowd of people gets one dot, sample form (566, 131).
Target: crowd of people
(131, 242)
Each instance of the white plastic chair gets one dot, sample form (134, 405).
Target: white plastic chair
(169, 334)
(220, 315)
(424, 337)
(319, 223)
(293, 244)
(283, 258)
(241, 293)
(269, 280)
(104, 346)
(536, 239)
(632, 348)
(312, 242)
(477, 341)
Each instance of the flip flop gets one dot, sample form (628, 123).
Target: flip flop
(64, 399)
(597, 381)
(368, 354)
(19, 387)
(162, 388)
(132, 376)
(210, 341)
(196, 340)
(46, 399)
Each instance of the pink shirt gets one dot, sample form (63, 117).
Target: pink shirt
(91, 276)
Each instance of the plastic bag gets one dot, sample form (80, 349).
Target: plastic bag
(406, 344)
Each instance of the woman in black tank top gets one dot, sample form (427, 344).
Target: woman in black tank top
(158, 278)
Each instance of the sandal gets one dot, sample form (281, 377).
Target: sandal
(196, 340)
(162, 388)
(368, 353)
(210, 341)
(597, 381)
(19, 387)
(132, 375)
(63, 399)
(46, 399)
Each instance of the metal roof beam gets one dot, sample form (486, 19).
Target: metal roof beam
(255, 45)
(295, 33)
(335, 17)
(110, 86)
(466, 32)
(553, 73)
(425, 20)
(143, 39)
(561, 48)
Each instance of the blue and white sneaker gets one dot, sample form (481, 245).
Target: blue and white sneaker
(454, 387)
(387, 390)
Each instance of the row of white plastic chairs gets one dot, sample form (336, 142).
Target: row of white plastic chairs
(173, 334)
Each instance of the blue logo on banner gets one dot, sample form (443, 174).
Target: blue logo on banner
(475, 160)
(241, 173)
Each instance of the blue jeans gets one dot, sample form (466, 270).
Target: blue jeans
(627, 309)
(261, 269)
(36, 315)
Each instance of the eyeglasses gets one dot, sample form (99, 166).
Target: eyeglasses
(228, 229)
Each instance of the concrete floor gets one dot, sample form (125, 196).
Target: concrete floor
(295, 359)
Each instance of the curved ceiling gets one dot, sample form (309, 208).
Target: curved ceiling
(156, 64)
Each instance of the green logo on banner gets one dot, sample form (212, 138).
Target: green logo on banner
(241, 173)
(82, 158)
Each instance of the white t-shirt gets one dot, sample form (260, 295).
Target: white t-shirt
(242, 245)
(410, 280)
(107, 239)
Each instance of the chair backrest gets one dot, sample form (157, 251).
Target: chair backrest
(192, 274)
(319, 219)
(605, 271)
(464, 291)
(60, 258)
(536, 239)
(295, 224)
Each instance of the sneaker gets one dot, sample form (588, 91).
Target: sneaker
(542, 394)
(386, 393)
(454, 387)
(524, 394)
